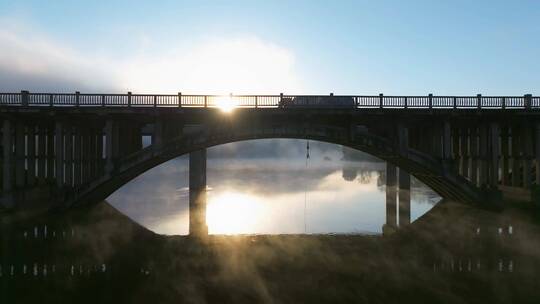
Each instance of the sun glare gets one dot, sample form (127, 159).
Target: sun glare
(233, 213)
(226, 104)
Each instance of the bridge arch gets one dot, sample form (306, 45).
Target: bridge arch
(428, 170)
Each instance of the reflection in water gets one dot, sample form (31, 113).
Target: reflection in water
(454, 253)
(337, 190)
(232, 213)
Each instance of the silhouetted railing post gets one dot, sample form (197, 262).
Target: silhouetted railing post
(405, 102)
(381, 100)
(179, 99)
(503, 105)
(430, 100)
(205, 101)
(256, 102)
(77, 98)
(155, 101)
(102, 100)
(24, 98)
(479, 101)
(280, 99)
(527, 100)
(454, 102)
(51, 98)
(129, 99)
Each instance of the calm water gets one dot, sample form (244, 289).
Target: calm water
(278, 192)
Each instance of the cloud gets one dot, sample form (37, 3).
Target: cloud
(36, 62)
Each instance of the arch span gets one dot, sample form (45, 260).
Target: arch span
(430, 171)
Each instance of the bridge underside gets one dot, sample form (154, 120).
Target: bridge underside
(83, 156)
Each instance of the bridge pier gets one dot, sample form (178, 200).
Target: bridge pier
(41, 154)
(504, 156)
(474, 148)
(7, 160)
(31, 155)
(404, 198)
(483, 169)
(68, 155)
(197, 194)
(526, 146)
(391, 196)
(447, 142)
(97, 152)
(494, 161)
(77, 157)
(464, 152)
(50, 153)
(515, 157)
(111, 145)
(59, 154)
(537, 153)
(20, 174)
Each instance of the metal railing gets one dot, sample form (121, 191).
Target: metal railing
(27, 99)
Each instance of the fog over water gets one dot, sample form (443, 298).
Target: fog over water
(268, 187)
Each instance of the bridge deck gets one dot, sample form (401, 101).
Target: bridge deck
(25, 98)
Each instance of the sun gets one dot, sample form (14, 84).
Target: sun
(233, 213)
(226, 103)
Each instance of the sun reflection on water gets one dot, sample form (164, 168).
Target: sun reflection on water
(233, 213)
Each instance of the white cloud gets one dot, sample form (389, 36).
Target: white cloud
(215, 65)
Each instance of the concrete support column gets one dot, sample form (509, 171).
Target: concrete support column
(77, 157)
(31, 155)
(92, 146)
(447, 141)
(425, 141)
(50, 152)
(157, 136)
(474, 150)
(537, 152)
(7, 156)
(436, 143)
(99, 152)
(391, 197)
(464, 152)
(197, 194)
(456, 156)
(111, 145)
(59, 153)
(20, 155)
(403, 139)
(41, 153)
(516, 175)
(504, 156)
(68, 155)
(85, 155)
(526, 144)
(137, 139)
(483, 156)
(494, 154)
(404, 198)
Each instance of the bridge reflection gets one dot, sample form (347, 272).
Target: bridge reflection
(455, 249)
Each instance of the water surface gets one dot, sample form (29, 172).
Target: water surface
(271, 187)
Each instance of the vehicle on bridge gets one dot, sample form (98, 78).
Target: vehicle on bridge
(317, 102)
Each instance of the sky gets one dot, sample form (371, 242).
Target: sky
(268, 47)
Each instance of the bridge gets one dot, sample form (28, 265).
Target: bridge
(74, 149)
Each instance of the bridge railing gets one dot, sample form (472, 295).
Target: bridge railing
(25, 98)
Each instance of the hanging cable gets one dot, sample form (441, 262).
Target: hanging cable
(305, 189)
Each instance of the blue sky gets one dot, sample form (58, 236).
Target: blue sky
(312, 47)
